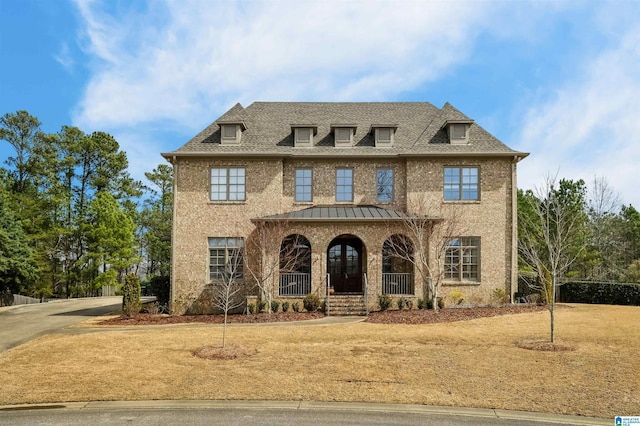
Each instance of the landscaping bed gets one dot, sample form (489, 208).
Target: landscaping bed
(414, 316)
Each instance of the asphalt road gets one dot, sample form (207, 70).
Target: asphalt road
(272, 413)
(22, 323)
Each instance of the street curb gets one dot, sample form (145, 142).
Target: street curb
(312, 405)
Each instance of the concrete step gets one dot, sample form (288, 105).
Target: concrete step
(345, 305)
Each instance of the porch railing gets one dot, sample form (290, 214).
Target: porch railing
(294, 284)
(397, 283)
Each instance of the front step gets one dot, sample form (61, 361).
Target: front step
(347, 305)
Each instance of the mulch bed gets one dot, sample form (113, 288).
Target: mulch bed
(386, 317)
(449, 314)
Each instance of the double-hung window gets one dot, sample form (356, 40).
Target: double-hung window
(384, 183)
(226, 258)
(227, 184)
(462, 259)
(461, 183)
(344, 185)
(304, 178)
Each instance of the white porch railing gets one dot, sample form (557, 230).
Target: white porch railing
(397, 283)
(294, 284)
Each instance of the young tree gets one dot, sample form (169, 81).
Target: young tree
(226, 291)
(551, 239)
(268, 256)
(429, 233)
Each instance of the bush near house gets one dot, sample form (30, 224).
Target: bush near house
(311, 302)
(600, 293)
(131, 295)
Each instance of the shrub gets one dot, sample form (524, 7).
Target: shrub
(295, 306)
(275, 305)
(384, 300)
(251, 308)
(409, 304)
(152, 308)
(440, 301)
(311, 302)
(262, 305)
(499, 296)
(602, 293)
(400, 303)
(131, 295)
(456, 296)
(285, 306)
(422, 303)
(429, 304)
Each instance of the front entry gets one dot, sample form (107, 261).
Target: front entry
(344, 264)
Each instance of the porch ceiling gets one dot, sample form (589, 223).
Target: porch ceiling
(337, 213)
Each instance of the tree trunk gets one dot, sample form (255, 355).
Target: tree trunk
(224, 328)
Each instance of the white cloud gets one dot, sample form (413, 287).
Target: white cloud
(64, 57)
(180, 60)
(590, 125)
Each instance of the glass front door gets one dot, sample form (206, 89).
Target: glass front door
(344, 265)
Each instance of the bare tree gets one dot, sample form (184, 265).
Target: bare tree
(548, 240)
(272, 253)
(226, 290)
(430, 232)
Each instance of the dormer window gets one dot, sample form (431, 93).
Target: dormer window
(303, 135)
(458, 131)
(384, 134)
(343, 134)
(230, 132)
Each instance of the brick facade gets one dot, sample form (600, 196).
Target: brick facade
(270, 190)
(420, 152)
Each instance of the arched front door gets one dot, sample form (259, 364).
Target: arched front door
(344, 264)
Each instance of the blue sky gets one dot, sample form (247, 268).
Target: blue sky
(558, 79)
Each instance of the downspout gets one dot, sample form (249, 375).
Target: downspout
(514, 228)
(172, 284)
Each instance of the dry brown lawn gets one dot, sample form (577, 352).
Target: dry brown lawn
(472, 363)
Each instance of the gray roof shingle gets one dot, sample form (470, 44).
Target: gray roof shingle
(268, 131)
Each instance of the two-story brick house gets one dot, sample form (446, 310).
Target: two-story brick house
(337, 181)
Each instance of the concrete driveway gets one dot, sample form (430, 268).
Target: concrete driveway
(22, 323)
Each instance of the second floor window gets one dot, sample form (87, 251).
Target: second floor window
(304, 191)
(227, 184)
(344, 185)
(461, 183)
(385, 185)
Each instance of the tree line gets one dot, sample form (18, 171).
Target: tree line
(591, 233)
(72, 218)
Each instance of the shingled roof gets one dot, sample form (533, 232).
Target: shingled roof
(268, 131)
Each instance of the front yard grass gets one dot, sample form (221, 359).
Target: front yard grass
(469, 363)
